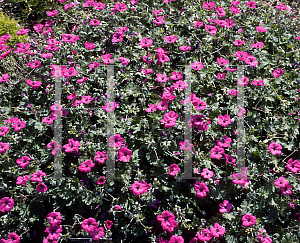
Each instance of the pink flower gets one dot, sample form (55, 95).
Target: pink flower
(238, 42)
(89, 224)
(205, 235)
(35, 64)
(100, 157)
(115, 141)
(38, 176)
(53, 13)
(124, 154)
(216, 152)
(258, 45)
(293, 166)
(206, 173)
(117, 208)
(251, 4)
(4, 77)
(3, 147)
(225, 207)
(261, 29)
(240, 178)
(222, 61)
(22, 180)
(125, 61)
(140, 187)
(22, 32)
(145, 42)
(4, 130)
(86, 166)
(108, 224)
(286, 190)
(6, 204)
(168, 121)
(248, 220)
(72, 96)
(18, 125)
(70, 38)
(208, 5)
(151, 108)
(275, 148)
(278, 73)
(234, 10)
(281, 182)
(198, 24)
(173, 169)
(97, 233)
(176, 76)
(197, 66)
(201, 189)
(159, 20)
(94, 22)
(147, 71)
(109, 107)
(230, 159)
(217, 230)
(243, 81)
(258, 82)
(170, 39)
(119, 7)
(69, 72)
(53, 232)
(224, 120)
(101, 180)
(46, 55)
(180, 85)
(176, 239)
(13, 238)
(89, 46)
(86, 99)
(167, 221)
(33, 84)
(72, 145)
(23, 162)
(184, 48)
(55, 218)
(163, 105)
(263, 236)
(186, 145)
(211, 29)
(41, 187)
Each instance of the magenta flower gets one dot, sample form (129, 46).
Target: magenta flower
(286, 190)
(211, 29)
(234, 10)
(161, 78)
(278, 73)
(55, 218)
(86, 166)
(125, 61)
(225, 207)
(176, 76)
(72, 96)
(220, 12)
(208, 5)
(275, 148)
(94, 22)
(169, 122)
(100, 157)
(89, 224)
(86, 99)
(198, 24)
(224, 120)
(230, 159)
(115, 141)
(41, 187)
(33, 84)
(117, 37)
(243, 81)
(180, 85)
(151, 108)
(52, 13)
(124, 154)
(6, 204)
(186, 145)
(261, 29)
(216, 152)
(4, 77)
(206, 173)
(145, 42)
(251, 4)
(69, 72)
(222, 61)
(163, 105)
(240, 178)
(176, 239)
(201, 189)
(159, 20)
(108, 224)
(197, 66)
(70, 38)
(46, 55)
(38, 176)
(140, 187)
(4, 130)
(119, 7)
(89, 46)
(12, 238)
(263, 236)
(97, 233)
(205, 235)
(167, 221)
(35, 64)
(22, 32)
(258, 45)
(248, 220)
(258, 82)
(238, 42)
(23, 162)
(281, 182)
(173, 169)
(22, 180)
(101, 180)
(217, 230)
(3, 147)
(293, 166)
(56, 147)
(170, 39)
(72, 145)
(184, 48)
(109, 107)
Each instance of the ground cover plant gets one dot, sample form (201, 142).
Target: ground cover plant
(153, 202)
